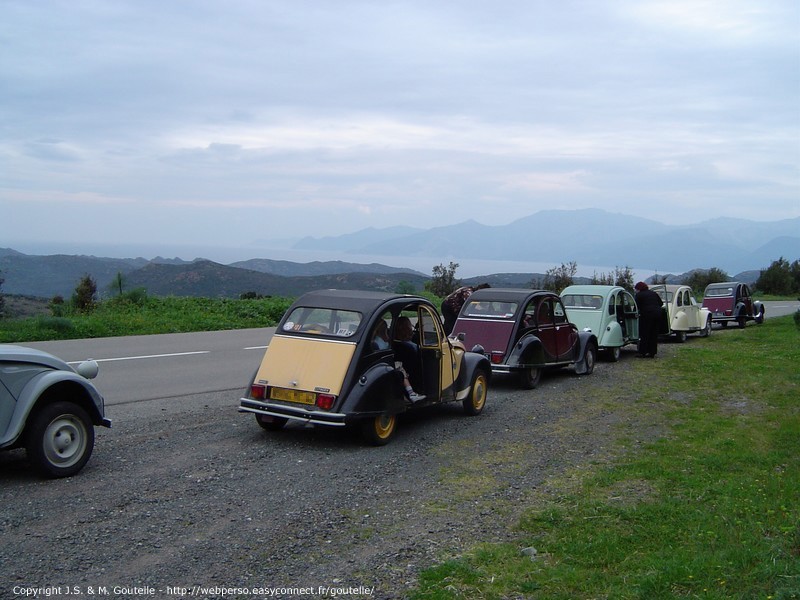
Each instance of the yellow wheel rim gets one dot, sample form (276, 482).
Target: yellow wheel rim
(479, 393)
(384, 426)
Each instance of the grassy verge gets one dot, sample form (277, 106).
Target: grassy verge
(145, 315)
(709, 511)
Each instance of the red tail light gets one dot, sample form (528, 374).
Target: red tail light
(325, 401)
(497, 357)
(258, 391)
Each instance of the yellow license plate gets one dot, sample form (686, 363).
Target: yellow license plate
(293, 396)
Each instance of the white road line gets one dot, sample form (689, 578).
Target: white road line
(75, 362)
(256, 348)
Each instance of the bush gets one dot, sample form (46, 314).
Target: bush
(135, 313)
(59, 325)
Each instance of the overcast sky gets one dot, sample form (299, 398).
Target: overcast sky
(155, 122)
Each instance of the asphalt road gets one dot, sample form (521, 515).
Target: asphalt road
(781, 308)
(178, 365)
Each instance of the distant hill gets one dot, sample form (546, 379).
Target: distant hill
(587, 237)
(590, 236)
(331, 267)
(209, 279)
(48, 276)
(58, 274)
(52, 275)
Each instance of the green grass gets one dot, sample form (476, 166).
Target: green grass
(710, 510)
(143, 315)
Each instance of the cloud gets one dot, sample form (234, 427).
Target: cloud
(369, 114)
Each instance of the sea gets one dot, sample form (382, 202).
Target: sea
(467, 267)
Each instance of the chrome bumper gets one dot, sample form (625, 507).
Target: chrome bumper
(305, 415)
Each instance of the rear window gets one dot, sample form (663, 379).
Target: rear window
(490, 309)
(718, 292)
(583, 301)
(323, 321)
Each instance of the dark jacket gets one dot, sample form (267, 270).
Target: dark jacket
(649, 303)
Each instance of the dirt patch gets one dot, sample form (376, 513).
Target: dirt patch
(22, 307)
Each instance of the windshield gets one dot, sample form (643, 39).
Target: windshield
(323, 321)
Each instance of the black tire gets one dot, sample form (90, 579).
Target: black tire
(760, 316)
(706, 331)
(613, 354)
(270, 423)
(474, 403)
(724, 324)
(742, 321)
(680, 336)
(589, 359)
(380, 430)
(59, 439)
(529, 377)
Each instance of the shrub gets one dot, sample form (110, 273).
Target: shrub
(59, 325)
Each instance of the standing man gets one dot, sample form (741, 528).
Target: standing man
(650, 314)
(451, 305)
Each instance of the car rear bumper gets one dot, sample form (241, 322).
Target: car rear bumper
(305, 415)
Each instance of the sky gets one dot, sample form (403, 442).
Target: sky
(244, 123)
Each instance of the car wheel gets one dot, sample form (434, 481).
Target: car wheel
(706, 331)
(760, 316)
(680, 336)
(474, 403)
(613, 354)
(271, 423)
(529, 377)
(59, 439)
(380, 430)
(724, 324)
(742, 321)
(589, 358)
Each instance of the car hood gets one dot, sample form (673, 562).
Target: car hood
(11, 352)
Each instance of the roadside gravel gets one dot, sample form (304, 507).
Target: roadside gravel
(187, 492)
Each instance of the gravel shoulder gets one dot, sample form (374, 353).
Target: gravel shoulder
(189, 492)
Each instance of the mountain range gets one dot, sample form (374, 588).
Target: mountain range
(589, 236)
(592, 237)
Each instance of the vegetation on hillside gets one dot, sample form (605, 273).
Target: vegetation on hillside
(780, 278)
(136, 313)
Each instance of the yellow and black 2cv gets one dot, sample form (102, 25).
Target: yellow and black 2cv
(356, 358)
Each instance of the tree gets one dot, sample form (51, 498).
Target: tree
(118, 283)
(699, 279)
(85, 297)
(558, 278)
(443, 282)
(796, 275)
(405, 287)
(778, 278)
(2, 298)
(622, 276)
